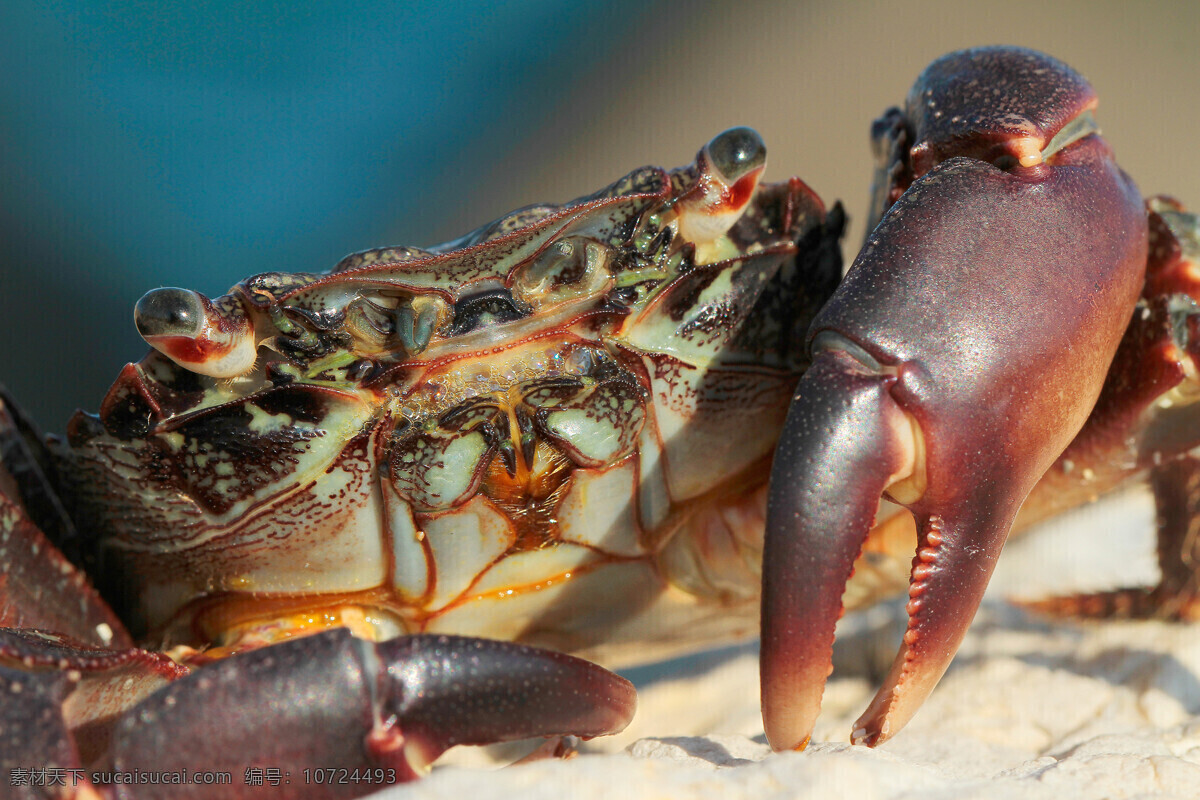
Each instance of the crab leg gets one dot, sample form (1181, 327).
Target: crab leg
(323, 701)
(965, 348)
(338, 701)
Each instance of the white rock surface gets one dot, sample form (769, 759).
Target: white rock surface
(1028, 710)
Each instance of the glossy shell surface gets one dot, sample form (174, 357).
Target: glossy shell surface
(556, 429)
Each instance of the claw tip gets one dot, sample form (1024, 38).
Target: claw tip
(866, 738)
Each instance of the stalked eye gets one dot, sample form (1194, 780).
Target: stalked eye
(169, 312)
(731, 165)
(736, 152)
(185, 326)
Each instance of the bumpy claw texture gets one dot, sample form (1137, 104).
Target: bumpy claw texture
(31, 567)
(985, 308)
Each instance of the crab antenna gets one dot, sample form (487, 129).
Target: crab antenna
(196, 334)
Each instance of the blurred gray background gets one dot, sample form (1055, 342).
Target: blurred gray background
(146, 144)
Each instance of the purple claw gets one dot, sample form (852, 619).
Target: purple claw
(334, 701)
(32, 568)
(33, 732)
(966, 346)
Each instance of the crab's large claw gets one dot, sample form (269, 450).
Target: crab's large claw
(959, 357)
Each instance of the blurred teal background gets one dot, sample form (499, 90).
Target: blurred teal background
(148, 144)
(145, 144)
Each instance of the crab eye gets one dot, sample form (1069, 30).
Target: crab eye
(736, 152)
(730, 166)
(169, 312)
(189, 329)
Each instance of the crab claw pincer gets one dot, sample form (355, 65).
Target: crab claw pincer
(961, 354)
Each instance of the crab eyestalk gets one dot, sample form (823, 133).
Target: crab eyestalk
(958, 358)
(214, 339)
(730, 166)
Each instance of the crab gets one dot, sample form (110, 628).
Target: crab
(368, 512)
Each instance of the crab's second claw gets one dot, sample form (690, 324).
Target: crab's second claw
(337, 700)
(979, 372)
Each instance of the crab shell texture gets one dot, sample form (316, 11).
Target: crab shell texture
(556, 429)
